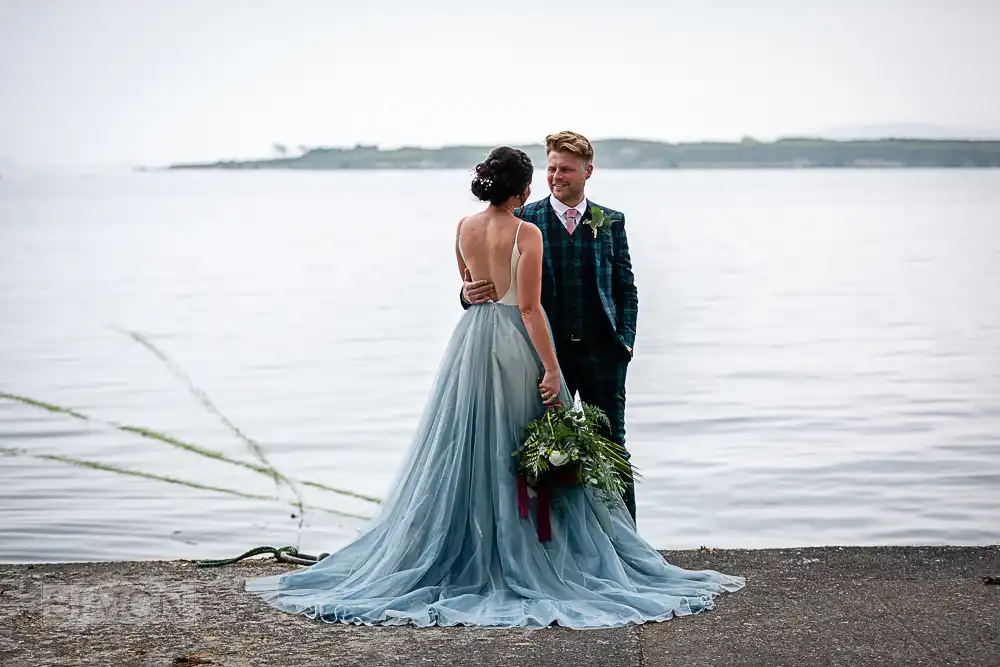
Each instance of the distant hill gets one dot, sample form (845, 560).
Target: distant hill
(635, 154)
(907, 130)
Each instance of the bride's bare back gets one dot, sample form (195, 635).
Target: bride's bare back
(487, 244)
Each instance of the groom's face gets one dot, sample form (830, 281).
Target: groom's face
(567, 176)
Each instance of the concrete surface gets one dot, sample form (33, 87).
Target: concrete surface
(816, 606)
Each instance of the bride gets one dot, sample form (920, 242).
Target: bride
(448, 545)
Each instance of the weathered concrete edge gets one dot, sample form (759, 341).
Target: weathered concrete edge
(864, 558)
(724, 553)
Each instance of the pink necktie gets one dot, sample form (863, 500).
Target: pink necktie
(571, 216)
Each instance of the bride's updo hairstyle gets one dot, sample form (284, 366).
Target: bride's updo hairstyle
(505, 173)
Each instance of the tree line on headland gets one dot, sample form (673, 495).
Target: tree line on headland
(637, 154)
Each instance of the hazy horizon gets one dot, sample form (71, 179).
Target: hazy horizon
(110, 82)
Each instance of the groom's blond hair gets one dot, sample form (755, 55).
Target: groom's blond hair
(570, 142)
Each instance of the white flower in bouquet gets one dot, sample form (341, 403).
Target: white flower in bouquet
(577, 408)
(558, 458)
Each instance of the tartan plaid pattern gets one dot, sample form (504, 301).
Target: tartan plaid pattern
(601, 382)
(608, 259)
(572, 314)
(569, 273)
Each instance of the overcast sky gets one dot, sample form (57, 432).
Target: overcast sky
(155, 81)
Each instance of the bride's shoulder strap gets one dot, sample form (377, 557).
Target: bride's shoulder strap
(458, 238)
(517, 232)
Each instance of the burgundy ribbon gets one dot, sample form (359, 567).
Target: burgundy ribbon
(522, 495)
(543, 520)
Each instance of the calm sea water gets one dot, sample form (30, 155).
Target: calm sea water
(818, 357)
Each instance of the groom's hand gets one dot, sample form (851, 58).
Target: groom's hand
(477, 291)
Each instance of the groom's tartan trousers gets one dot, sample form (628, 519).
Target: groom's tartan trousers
(590, 298)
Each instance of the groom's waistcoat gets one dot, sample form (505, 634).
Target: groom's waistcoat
(576, 314)
(571, 292)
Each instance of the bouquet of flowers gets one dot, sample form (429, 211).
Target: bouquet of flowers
(565, 447)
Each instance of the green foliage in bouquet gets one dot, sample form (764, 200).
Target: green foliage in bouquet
(565, 446)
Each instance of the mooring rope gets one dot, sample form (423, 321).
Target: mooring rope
(287, 554)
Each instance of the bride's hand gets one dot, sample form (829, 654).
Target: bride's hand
(549, 388)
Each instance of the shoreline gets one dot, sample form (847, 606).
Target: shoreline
(785, 153)
(830, 605)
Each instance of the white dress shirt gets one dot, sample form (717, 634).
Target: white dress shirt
(561, 208)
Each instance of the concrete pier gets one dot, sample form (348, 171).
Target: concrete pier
(815, 606)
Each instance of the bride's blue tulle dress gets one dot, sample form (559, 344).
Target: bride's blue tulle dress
(449, 546)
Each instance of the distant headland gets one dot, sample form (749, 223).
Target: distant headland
(637, 154)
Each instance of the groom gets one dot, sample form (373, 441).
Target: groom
(588, 291)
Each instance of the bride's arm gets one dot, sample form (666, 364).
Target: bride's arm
(529, 293)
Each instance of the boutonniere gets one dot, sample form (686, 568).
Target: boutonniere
(598, 219)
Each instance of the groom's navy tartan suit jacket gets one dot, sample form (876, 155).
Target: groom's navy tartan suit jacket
(604, 261)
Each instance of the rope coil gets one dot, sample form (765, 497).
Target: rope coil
(287, 554)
